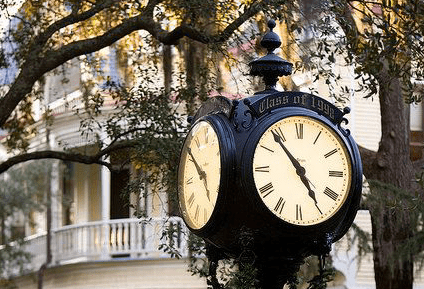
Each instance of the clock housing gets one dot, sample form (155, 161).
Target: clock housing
(302, 172)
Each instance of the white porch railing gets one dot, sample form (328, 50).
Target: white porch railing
(131, 238)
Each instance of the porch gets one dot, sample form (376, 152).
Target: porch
(108, 240)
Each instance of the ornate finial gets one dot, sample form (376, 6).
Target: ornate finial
(271, 41)
(271, 66)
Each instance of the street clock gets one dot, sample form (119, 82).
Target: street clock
(279, 167)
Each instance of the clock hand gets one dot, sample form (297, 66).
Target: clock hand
(311, 193)
(310, 182)
(205, 182)
(198, 168)
(300, 171)
(202, 173)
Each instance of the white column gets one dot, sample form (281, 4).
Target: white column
(105, 181)
(56, 206)
(105, 177)
(56, 196)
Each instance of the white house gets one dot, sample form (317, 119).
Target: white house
(97, 242)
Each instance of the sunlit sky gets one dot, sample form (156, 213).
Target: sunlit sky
(11, 10)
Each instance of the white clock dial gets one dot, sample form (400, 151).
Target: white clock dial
(199, 174)
(302, 170)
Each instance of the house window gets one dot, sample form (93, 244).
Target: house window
(119, 200)
(68, 194)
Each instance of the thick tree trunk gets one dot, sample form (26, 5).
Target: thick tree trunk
(391, 170)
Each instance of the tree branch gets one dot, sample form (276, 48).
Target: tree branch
(32, 69)
(36, 65)
(72, 18)
(233, 26)
(346, 21)
(60, 155)
(68, 156)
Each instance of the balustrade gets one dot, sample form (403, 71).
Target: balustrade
(130, 238)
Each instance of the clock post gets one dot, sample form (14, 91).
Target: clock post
(271, 179)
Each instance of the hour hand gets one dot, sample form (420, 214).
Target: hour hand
(311, 193)
(202, 173)
(300, 170)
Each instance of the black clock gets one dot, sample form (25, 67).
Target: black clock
(301, 169)
(273, 178)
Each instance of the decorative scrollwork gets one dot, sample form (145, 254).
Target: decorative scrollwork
(345, 132)
(247, 120)
(243, 116)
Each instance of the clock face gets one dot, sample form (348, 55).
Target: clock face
(302, 170)
(199, 174)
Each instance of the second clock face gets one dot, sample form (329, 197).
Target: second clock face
(199, 174)
(302, 170)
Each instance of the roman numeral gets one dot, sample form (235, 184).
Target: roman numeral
(206, 136)
(317, 137)
(330, 153)
(279, 132)
(280, 205)
(205, 215)
(196, 140)
(298, 212)
(196, 214)
(330, 193)
(337, 174)
(191, 200)
(268, 149)
(263, 169)
(299, 130)
(189, 181)
(266, 190)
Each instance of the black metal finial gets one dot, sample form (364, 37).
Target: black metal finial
(271, 40)
(271, 66)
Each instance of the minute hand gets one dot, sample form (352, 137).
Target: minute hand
(300, 171)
